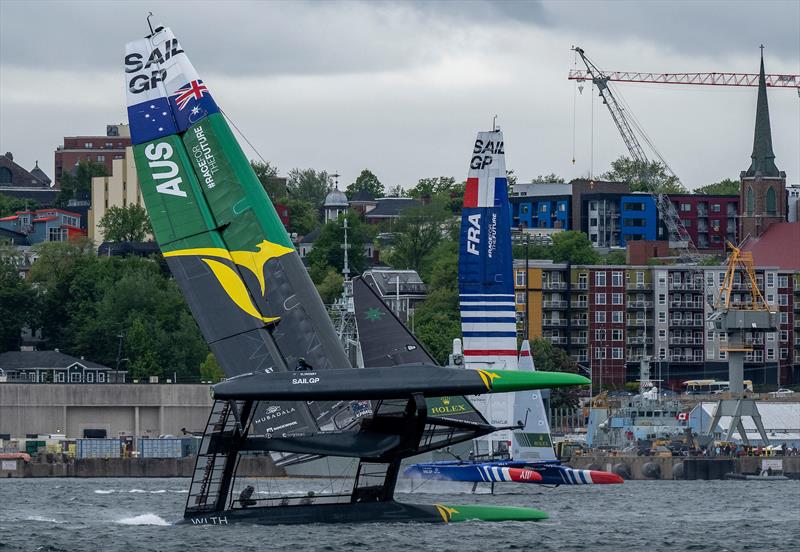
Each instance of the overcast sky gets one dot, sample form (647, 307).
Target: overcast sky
(402, 87)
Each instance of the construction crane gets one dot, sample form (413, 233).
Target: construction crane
(741, 312)
(677, 234)
(706, 79)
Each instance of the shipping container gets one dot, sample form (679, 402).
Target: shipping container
(98, 448)
(32, 446)
(190, 445)
(160, 448)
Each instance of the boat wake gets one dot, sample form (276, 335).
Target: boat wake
(44, 519)
(144, 519)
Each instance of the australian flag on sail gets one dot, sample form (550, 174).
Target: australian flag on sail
(190, 103)
(150, 120)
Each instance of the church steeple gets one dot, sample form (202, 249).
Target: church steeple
(763, 158)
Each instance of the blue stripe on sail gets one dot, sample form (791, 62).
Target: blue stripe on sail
(489, 319)
(487, 308)
(489, 334)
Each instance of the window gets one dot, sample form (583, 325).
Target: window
(662, 298)
(723, 355)
(771, 202)
(101, 158)
(715, 225)
(640, 277)
(616, 335)
(770, 279)
(5, 175)
(75, 377)
(715, 207)
(751, 201)
(616, 279)
(784, 335)
(101, 377)
(783, 299)
(600, 317)
(662, 334)
(709, 335)
(600, 278)
(784, 317)
(662, 353)
(771, 298)
(60, 377)
(520, 277)
(87, 145)
(616, 317)
(709, 353)
(662, 280)
(523, 209)
(562, 207)
(599, 298)
(770, 354)
(616, 298)
(543, 208)
(686, 222)
(56, 234)
(616, 352)
(520, 298)
(89, 377)
(783, 281)
(723, 337)
(686, 207)
(770, 336)
(784, 354)
(662, 317)
(710, 279)
(600, 353)
(599, 335)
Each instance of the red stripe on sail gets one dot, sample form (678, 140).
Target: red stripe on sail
(471, 193)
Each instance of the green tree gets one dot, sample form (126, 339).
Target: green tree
(553, 359)
(551, 178)
(417, 232)
(267, 174)
(330, 287)
(636, 174)
(365, 181)
(573, 247)
(129, 224)
(77, 183)
(396, 191)
(17, 303)
(437, 322)
(309, 185)
(616, 257)
(723, 187)
(328, 252)
(10, 205)
(210, 369)
(303, 217)
(440, 186)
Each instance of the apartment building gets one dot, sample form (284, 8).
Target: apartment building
(608, 317)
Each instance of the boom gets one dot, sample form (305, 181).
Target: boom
(706, 79)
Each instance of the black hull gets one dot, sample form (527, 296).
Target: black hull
(367, 512)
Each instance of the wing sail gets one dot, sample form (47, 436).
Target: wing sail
(486, 288)
(222, 239)
(533, 443)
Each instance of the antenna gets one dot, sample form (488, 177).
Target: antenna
(494, 123)
(149, 15)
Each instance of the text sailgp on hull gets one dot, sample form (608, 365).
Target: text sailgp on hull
(291, 393)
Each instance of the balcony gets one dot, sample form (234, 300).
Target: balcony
(554, 285)
(685, 341)
(579, 340)
(556, 339)
(581, 358)
(640, 304)
(580, 304)
(797, 323)
(581, 322)
(686, 286)
(580, 285)
(639, 340)
(686, 322)
(555, 304)
(554, 323)
(754, 341)
(693, 305)
(640, 322)
(685, 358)
(639, 285)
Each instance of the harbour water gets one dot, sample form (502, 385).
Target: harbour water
(136, 514)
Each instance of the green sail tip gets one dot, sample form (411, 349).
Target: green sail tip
(488, 513)
(503, 381)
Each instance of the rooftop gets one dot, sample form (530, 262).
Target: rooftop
(389, 207)
(770, 248)
(26, 360)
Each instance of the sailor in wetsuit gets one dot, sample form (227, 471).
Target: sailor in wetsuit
(244, 497)
(302, 365)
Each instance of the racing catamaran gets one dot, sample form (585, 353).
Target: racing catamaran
(291, 396)
(488, 322)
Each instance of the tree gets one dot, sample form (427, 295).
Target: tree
(437, 322)
(303, 217)
(129, 224)
(418, 231)
(365, 181)
(77, 184)
(17, 304)
(573, 247)
(210, 369)
(267, 174)
(635, 173)
(551, 178)
(396, 191)
(10, 205)
(309, 185)
(547, 358)
(441, 186)
(328, 252)
(615, 258)
(330, 287)
(723, 187)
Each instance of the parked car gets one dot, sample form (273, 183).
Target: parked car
(782, 392)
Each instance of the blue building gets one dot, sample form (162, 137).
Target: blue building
(639, 218)
(542, 206)
(44, 225)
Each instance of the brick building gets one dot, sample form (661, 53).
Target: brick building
(710, 220)
(99, 149)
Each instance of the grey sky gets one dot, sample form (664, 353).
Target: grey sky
(402, 87)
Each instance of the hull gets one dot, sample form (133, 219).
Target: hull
(367, 512)
(518, 472)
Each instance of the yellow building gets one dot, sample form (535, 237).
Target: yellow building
(120, 189)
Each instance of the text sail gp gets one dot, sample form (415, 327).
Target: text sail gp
(486, 288)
